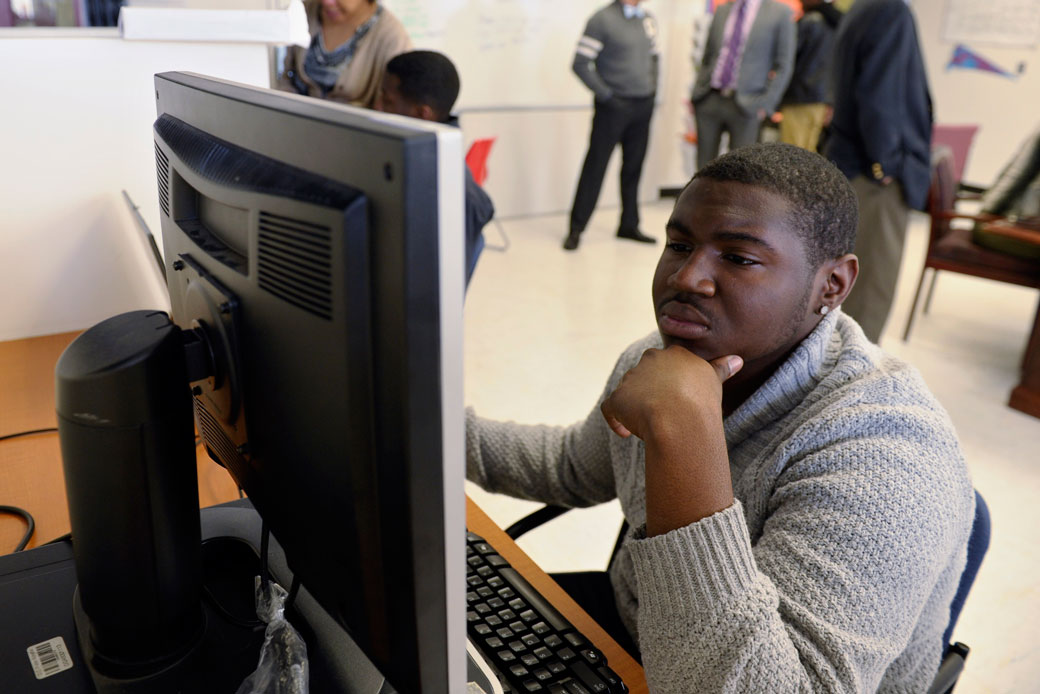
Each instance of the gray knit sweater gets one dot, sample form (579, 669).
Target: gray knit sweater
(835, 568)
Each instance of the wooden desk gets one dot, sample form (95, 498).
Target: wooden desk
(31, 477)
(1025, 397)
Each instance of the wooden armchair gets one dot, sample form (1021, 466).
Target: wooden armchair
(950, 245)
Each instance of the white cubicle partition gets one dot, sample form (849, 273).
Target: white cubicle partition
(77, 113)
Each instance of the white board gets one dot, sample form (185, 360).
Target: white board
(509, 53)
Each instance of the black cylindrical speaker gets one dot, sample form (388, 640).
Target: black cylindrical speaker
(125, 424)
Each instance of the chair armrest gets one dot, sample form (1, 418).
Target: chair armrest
(967, 191)
(949, 669)
(534, 519)
(950, 214)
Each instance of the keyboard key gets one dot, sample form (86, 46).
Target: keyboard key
(533, 686)
(505, 656)
(529, 659)
(592, 656)
(492, 620)
(553, 641)
(556, 667)
(566, 655)
(482, 629)
(494, 642)
(612, 679)
(541, 674)
(518, 626)
(575, 687)
(507, 615)
(505, 633)
(543, 653)
(589, 678)
(573, 638)
(517, 646)
(518, 670)
(532, 640)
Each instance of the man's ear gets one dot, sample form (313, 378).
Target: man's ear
(425, 111)
(838, 275)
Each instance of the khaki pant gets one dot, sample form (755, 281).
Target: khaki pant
(880, 236)
(802, 124)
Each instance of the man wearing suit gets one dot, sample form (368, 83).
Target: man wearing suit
(747, 64)
(881, 140)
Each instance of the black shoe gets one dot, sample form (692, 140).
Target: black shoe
(571, 242)
(635, 235)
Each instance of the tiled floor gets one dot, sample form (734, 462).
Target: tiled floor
(544, 327)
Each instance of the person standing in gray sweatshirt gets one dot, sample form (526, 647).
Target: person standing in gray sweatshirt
(617, 60)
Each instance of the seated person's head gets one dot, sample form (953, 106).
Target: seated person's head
(759, 241)
(420, 84)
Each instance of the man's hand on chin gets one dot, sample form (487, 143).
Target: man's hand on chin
(672, 401)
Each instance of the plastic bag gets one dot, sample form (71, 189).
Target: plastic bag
(283, 657)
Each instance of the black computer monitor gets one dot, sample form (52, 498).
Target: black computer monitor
(318, 249)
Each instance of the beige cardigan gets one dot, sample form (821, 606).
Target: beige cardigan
(360, 80)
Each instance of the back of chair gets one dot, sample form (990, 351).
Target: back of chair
(978, 543)
(476, 159)
(958, 138)
(942, 194)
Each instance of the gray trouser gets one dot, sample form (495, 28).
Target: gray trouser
(715, 113)
(883, 215)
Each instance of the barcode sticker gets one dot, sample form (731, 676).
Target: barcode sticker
(49, 657)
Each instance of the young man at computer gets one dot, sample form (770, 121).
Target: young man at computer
(425, 84)
(799, 502)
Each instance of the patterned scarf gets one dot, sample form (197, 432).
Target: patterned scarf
(323, 66)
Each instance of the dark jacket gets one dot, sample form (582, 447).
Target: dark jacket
(810, 82)
(882, 124)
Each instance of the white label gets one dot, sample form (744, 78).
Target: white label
(49, 657)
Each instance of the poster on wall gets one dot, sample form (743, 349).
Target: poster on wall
(1001, 22)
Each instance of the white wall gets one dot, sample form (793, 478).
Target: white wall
(1006, 110)
(77, 131)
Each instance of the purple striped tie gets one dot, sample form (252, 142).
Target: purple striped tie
(736, 39)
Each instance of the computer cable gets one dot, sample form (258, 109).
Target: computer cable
(49, 430)
(265, 538)
(15, 511)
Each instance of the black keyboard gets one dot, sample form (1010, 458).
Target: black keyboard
(530, 645)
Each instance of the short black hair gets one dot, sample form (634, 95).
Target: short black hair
(824, 210)
(427, 77)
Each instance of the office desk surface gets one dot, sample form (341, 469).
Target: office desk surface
(31, 476)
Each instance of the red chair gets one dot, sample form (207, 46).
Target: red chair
(476, 162)
(958, 138)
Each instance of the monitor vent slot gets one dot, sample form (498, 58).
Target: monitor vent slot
(213, 435)
(294, 262)
(162, 169)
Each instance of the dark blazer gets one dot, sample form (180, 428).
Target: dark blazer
(767, 62)
(882, 124)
